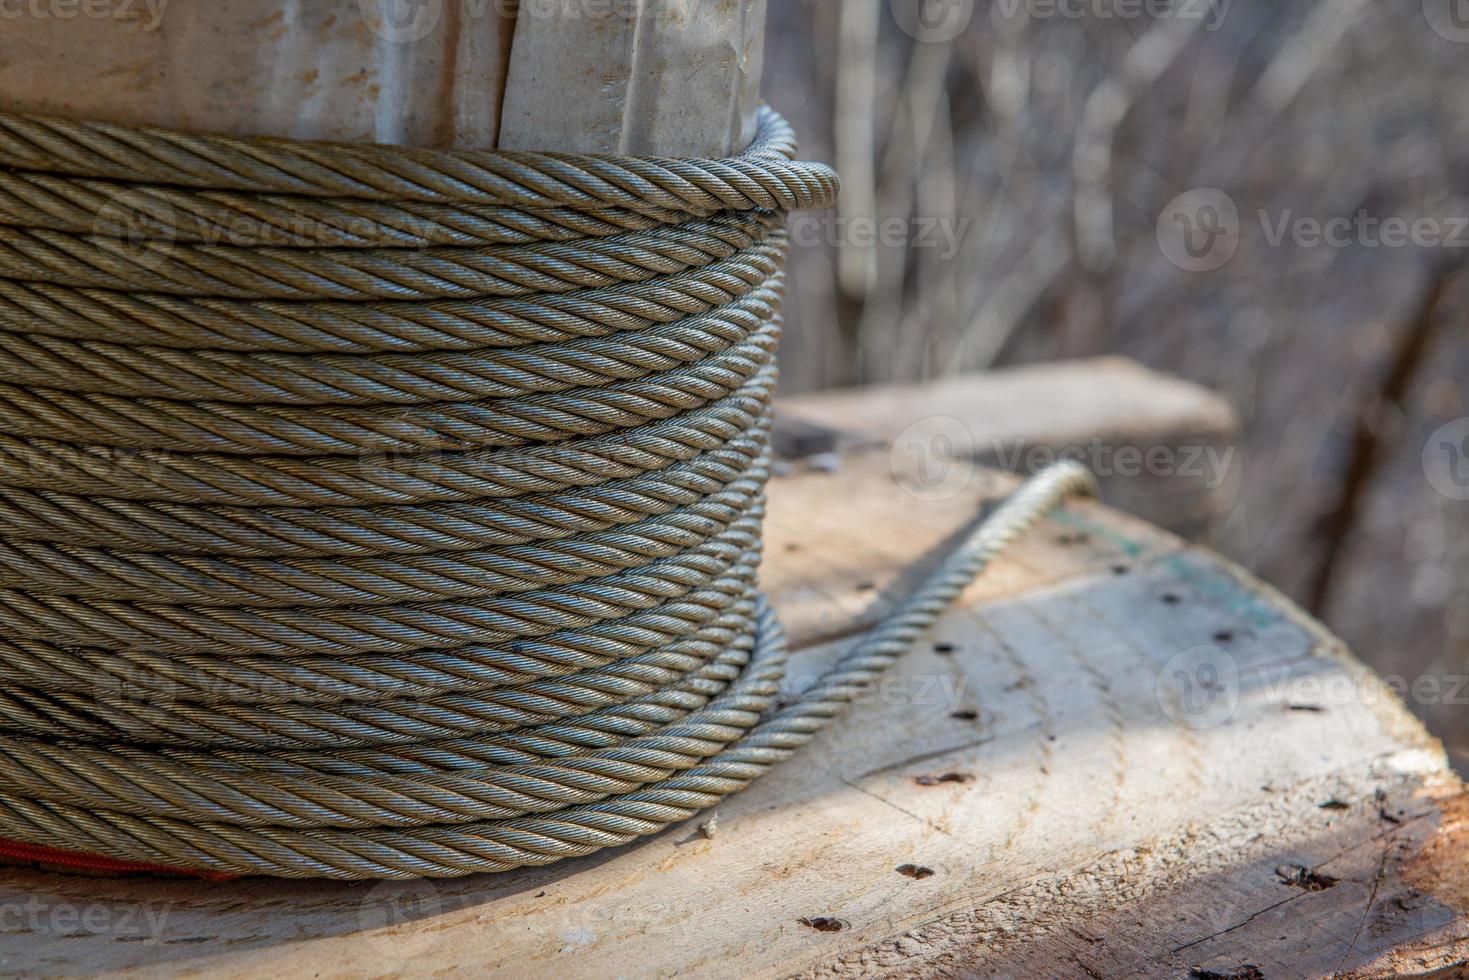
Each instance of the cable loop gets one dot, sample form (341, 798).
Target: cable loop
(371, 512)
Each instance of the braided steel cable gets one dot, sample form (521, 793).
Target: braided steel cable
(225, 271)
(764, 177)
(160, 212)
(369, 512)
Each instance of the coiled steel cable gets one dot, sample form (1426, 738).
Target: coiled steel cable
(379, 513)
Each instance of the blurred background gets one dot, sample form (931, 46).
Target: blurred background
(1266, 197)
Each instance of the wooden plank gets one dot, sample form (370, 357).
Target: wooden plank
(428, 73)
(1088, 796)
(669, 77)
(1163, 449)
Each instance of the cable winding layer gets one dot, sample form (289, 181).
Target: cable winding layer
(369, 512)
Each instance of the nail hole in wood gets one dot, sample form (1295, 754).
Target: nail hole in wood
(915, 871)
(1298, 876)
(823, 923)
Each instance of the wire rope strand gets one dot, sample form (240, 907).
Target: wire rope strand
(370, 512)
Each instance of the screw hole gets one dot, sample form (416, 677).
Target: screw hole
(915, 871)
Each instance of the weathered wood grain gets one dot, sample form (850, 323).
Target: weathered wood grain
(1119, 756)
(670, 77)
(1163, 449)
(428, 73)
(666, 77)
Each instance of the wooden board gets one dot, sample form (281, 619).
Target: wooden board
(1120, 756)
(429, 73)
(662, 77)
(1162, 448)
(670, 77)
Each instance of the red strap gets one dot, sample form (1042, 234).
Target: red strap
(17, 852)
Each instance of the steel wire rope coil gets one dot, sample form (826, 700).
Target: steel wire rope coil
(369, 512)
